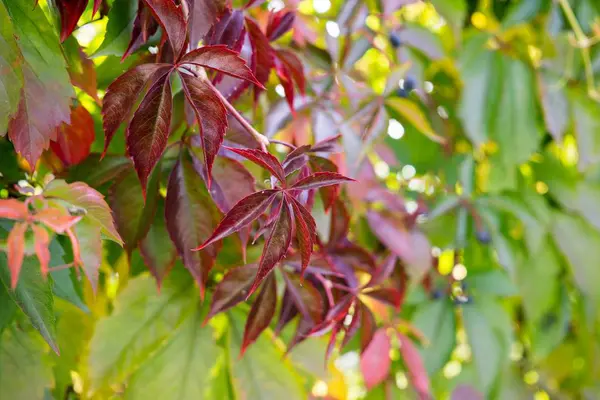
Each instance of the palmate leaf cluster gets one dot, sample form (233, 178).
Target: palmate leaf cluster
(300, 199)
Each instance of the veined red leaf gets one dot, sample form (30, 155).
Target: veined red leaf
(15, 244)
(276, 246)
(159, 254)
(262, 54)
(243, 213)
(55, 219)
(306, 297)
(229, 30)
(305, 231)
(321, 179)
(294, 68)
(191, 216)
(41, 243)
(210, 114)
(171, 19)
(264, 159)
(233, 289)
(122, 94)
(220, 58)
(13, 209)
(375, 361)
(203, 15)
(74, 140)
(285, 78)
(70, 12)
(415, 366)
(279, 23)
(148, 130)
(81, 195)
(261, 313)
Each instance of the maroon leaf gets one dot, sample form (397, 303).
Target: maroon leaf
(148, 130)
(171, 19)
(221, 59)
(415, 366)
(305, 231)
(210, 114)
(229, 30)
(122, 94)
(264, 159)
(389, 295)
(340, 223)
(375, 361)
(262, 55)
(159, 254)
(13, 209)
(293, 65)
(191, 216)
(144, 26)
(321, 179)
(306, 297)
(224, 193)
(287, 313)
(42, 241)
(243, 213)
(279, 23)
(74, 140)
(261, 313)
(203, 15)
(41, 110)
(70, 12)
(15, 245)
(367, 327)
(276, 245)
(233, 289)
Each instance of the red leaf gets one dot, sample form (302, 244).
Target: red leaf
(261, 313)
(306, 297)
(384, 271)
(391, 296)
(42, 241)
(82, 71)
(55, 219)
(144, 26)
(375, 361)
(210, 114)
(122, 94)
(287, 83)
(171, 19)
(279, 23)
(294, 67)
(13, 209)
(305, 231)
(220, 58)
(41, 110)
(86, 241)
(262, 57)
(233, 289)
(75, 139)
(243, 213)
(229, 30)
(203, 15)
(340, 223)
(158, 254)
(321, 179)
(411, 246)
(367, 327)
(191, 216)
(414, 365)
(15, 244)
(148, 131)
(70, 12)
(264, 159)
(276, 246)
(97, 4)
(225, 194)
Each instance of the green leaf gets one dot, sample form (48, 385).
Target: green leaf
(65, 284)
(7, 308)
(580, 244)
(33, 295)
(118, 30)
(90, 248)
(437, 322)
(184, 367)
(413, 114)
(495, 282)
(263, 372)
(25, 368)
(142, 321)
(453, 11)
(11, 78)
(554, 105)
(587, 126)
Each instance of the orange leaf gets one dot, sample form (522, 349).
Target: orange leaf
(13, 209)
(42, 241)
(74, 140)
(16, 249)
(55, 219)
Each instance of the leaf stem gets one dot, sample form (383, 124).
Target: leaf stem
(260, 138)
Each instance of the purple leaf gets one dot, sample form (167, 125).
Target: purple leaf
(264, 159)
(321, 179)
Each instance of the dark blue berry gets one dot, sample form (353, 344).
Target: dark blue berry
(401, 93)
(437, 294)
(395, 40)
(409, 84)
(483, 236)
